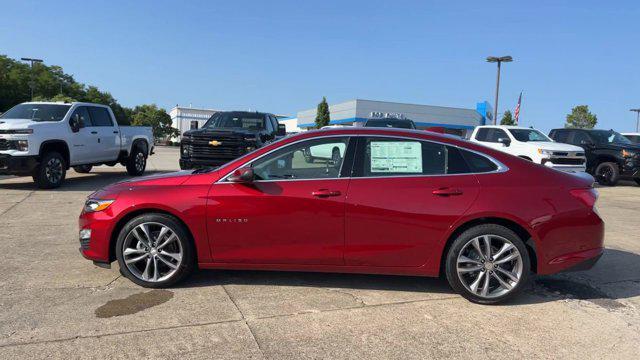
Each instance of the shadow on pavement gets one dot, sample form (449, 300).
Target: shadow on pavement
(603, 285)
(322, 280)
(85, 182)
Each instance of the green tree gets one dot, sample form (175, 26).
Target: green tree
(507, 119)
(158, 119)
(581, 118)
(50, 84)
(322, 115)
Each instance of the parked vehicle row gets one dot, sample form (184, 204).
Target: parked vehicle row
(45, 139)
(391, 201)
(610, 155)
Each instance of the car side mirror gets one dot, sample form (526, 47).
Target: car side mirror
(242, 175)
(75, 123)
(282, 130)
(504, 141)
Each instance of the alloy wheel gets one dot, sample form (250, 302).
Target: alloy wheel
(140, 162)
(152, 252)
(489, 266)
(606, 173)
(53, 170)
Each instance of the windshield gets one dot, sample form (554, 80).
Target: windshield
(391, 123)
(526, 135)
(609, 137)
(37, 112)
(235, 121)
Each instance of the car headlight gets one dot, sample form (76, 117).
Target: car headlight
(20, 145)
(545, 152)
(94, 205)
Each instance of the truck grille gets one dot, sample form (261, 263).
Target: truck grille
(568, 161)
(230, 147)
(4, 144)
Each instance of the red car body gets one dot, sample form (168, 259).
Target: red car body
(395, 225)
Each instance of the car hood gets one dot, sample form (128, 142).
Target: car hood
(554, 146)
(10, 124)
(168, 179)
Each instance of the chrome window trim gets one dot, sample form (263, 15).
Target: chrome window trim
(501, 167)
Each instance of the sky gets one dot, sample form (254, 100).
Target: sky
(283, 56)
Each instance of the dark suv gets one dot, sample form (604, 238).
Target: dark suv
(227, 135)
(610, 156)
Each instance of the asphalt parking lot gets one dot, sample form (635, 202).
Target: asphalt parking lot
(53, 303)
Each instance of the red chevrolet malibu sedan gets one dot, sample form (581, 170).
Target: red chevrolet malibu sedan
(359, 200)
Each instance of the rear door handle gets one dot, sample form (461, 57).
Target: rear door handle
(115, 131)
(325, 193)
(94, 132)
(447, 192)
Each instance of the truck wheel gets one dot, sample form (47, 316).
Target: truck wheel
(83, 169)
(51, 171)
(137, 162)
(607, 173)
(487, 264)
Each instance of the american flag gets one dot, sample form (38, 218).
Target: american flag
(517, 111)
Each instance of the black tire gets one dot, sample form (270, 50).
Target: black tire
(83, 169)
(463, 239)
(51, 171)
(185, 268)
(637, 181)
(607, 173)
(137, 162)
(307, 156)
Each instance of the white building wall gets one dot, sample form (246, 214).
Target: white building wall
(181, 117)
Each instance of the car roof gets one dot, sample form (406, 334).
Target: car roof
(381, 131)
(64, 103)
(243, 112)
(504, 127)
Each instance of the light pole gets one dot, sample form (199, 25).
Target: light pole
(32, 83)
(637, 111)
(499, 60)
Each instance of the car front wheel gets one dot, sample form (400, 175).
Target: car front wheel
(51, 171)
(154, 250)
(487, 264)
(607, 173)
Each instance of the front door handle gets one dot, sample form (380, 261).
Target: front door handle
(447, 192)
(94, 132)
(325, 193)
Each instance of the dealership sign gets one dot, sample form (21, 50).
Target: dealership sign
(380, 114)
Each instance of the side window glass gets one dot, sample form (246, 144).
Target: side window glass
(478, 163)
(578, 137)
(100, 116)
(393, 157)
(497, 134)
(455, 162)
(312, 159)
(560, 136)
(85, 119)
(269, 124)
(482, 134)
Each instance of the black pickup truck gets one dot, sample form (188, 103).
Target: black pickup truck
(610, 156)
(227, 135)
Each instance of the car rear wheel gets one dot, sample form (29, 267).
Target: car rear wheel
(607, 173)
(154, 250)
(83, 169)
(487, 264)
(137, 162)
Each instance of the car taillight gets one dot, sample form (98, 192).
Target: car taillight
(586, 196)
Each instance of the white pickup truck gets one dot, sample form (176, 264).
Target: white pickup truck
(532, 145)
(45, 139)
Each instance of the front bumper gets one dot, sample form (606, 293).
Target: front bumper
(97, 246)
(17, 165)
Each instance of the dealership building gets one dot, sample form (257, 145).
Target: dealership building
(356, 112)
(187, 118)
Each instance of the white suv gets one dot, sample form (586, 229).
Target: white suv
(532, 145)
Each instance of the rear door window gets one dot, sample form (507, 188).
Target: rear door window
(100, 116)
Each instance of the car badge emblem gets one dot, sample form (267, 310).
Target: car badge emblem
(215, 143)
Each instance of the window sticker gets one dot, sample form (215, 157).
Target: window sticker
(396, 157)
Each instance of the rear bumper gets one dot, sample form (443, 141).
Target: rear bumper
(578, 261)
(17, 165)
